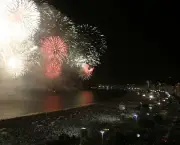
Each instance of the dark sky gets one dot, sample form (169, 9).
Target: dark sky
(142, 37)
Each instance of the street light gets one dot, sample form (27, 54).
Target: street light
(135, 116)
(122, 107)
(83, 128)
(150, 107)
(151, 96)
(102, 135)
(159, 103)
(138, 135)
(83, 135)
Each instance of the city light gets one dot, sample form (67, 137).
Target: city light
(83, 128)
(138, 135)
(106, 129)
(122, 107)
(151, 96)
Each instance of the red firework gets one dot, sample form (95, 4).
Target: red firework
(53, 69)
(87, 71)
(54, 47)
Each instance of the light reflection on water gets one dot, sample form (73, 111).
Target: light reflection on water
(22, 104)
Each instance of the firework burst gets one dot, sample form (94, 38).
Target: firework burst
(86, 71)
(92, 37)
(90, 46)
(77, 57)
(20, 19)
(54, 47)
(52, 69)
(17, 58)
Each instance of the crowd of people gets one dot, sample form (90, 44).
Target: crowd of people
(154, 122)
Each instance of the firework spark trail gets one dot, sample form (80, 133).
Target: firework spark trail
(54, 22)
(80, 60)
(20, 19)
(48, 20)
(67, 29)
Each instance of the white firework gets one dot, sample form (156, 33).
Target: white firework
(54, 22)
(92, 37)
(15, 65)
(90, 45)
(79, 61)
(16, 58)
(77, 58)
(48, 19)
(67, 30)
(20, 19)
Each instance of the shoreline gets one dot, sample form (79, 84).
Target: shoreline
(39, 114)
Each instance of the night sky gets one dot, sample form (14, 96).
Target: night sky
(142, 37)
